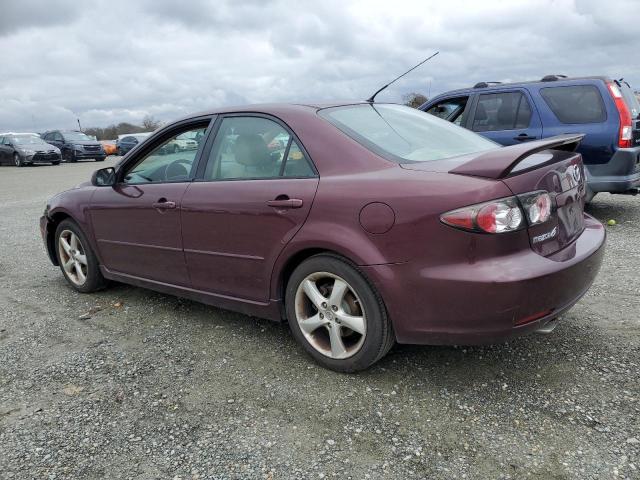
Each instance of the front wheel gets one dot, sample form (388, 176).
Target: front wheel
(77, 260)
(17, 160)
(336, 314)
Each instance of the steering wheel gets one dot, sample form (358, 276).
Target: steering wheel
(177, 169)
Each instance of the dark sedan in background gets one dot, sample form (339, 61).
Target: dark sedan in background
(75, 145)
(22, 149)
(127, 142)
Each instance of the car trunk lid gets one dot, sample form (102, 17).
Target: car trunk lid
(550, 165)
(562, 175)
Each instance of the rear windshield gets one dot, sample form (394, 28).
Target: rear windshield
(575, 103)
(404, 134)
(629, 98)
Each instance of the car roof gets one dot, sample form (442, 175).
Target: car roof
(270, 108)
(478, 87)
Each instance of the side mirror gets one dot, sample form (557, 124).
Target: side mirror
(105, 177)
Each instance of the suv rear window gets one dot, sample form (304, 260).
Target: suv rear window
(402, 134)
(575, 103)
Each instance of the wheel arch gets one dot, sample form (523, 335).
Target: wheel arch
(287, 265)
(54, 220)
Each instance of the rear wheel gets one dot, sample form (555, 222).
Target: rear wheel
(57, 162)
(17, 160)
(336, 315)
(77, 260)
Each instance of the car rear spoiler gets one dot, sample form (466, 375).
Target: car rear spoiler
(498, 163)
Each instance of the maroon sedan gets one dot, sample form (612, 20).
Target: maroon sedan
(368, 224)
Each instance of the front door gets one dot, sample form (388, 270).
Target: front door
(137, 222)
(506, 117)
(252, 198)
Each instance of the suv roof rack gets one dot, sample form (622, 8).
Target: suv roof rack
(552, 78)
(485, 84)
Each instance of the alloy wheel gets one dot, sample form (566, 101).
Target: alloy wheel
(330, 315)
(73, 257)
(16, 160)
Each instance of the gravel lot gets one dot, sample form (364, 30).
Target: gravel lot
(128, 383)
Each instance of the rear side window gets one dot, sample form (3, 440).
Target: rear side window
(501, 111)
(255, 148)
(575, 103)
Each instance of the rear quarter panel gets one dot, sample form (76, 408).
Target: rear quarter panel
(599, 144)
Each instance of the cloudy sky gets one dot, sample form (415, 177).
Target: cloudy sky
(119, 60)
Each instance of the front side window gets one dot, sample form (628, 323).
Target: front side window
(255, 148)
(501, 111)
(164, 163)
(575, 103)
(451, 109)
(404, 134)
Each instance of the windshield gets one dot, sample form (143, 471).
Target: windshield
(404, 134)
(77, 136)
(26, 139)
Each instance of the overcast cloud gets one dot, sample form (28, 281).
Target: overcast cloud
(117, 60)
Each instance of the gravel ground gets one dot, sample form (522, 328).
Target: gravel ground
(128, 383)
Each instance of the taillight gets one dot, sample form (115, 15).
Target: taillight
(503, 215)
(537, 206)
(625, 137)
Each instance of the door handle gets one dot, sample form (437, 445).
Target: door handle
(163, 204)
(523, 136)
(285, 203)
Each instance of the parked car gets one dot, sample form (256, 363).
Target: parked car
(75, 145)
(127, 142)
(109, 147)
(22, 149)
(605, 110)
(375, 223)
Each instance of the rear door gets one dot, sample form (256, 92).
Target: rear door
(250, 199)
(506, 116)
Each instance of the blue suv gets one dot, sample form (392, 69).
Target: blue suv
(605, 110)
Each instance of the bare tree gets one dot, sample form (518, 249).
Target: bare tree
(414, 100)
(150, 124)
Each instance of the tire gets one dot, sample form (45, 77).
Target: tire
(79, 249)
(17, 161)
(359, 305)
(100, 159)
(55, 163)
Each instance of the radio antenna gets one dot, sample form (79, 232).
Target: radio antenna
(372, 98)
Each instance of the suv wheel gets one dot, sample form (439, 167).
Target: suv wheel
(77, 260)
(336, 314)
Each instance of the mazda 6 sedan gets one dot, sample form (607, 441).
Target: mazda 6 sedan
(361, 225)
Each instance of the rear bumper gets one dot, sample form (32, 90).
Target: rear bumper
(620, 174)
(490, 300)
